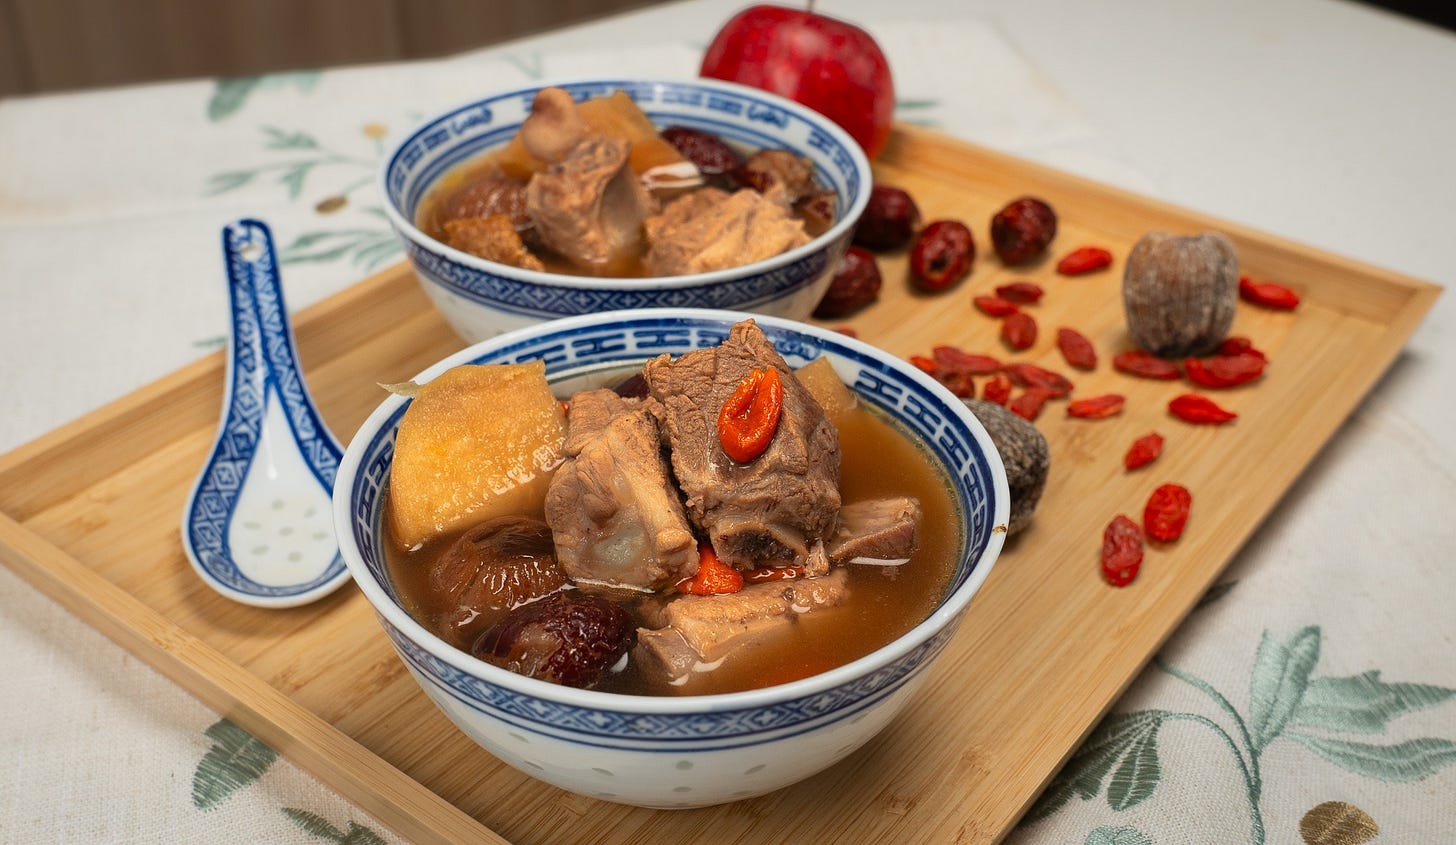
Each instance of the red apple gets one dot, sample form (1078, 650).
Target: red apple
(829, 65)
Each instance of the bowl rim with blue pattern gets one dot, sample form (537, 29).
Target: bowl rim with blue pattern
(593, 342)
(657, 97)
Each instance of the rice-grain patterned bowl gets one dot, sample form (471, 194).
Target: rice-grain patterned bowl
(481, 298)
(686, 751)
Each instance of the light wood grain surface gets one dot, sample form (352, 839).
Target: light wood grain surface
(90, 513)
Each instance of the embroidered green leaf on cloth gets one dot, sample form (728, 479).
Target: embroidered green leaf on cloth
(318, 826)
(235, 760)
(1108, 835)
(1411, 760)
(1362, 703)
(1281, 673)
(1129, 737)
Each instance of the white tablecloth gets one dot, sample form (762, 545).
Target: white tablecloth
(1316, 688)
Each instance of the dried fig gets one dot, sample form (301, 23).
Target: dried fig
(1179, 292)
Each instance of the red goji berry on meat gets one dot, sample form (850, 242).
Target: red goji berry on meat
(1077, 349)
(1019, 330)
(1224, 370)
(1023, 292)
(1097, 407)
(994, 306)
(1136, 362)
(1167, 512)
(1122, 551)
(1084, 260)
(1191, 407)
(1028, 403)
(997, 389)
(941, 255)
(1023, 374)
(952, 358)
(1267, 294)
(750, 416)
(1143, 451)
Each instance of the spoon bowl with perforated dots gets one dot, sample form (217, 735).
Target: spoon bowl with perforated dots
(258, 526)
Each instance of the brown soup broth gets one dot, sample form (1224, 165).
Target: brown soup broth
(883, 602)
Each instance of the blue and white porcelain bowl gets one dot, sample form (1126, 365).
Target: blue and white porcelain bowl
(694, 750)
(483, 298)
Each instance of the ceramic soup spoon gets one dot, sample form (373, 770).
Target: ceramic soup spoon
(258, 526)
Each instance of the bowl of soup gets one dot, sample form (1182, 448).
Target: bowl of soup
(670, 557)
(588, 196)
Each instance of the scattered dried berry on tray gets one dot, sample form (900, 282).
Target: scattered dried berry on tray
(1019, 330)
(997, 389)
(941, 255)
(1268, 294)
(889, 219)
(1193, 408)
(855, 285)
(1022, 230)
(1076, 349)
(1086, 259)
(1024, 453)
(961, 384)
(1122, 551)
(1237, 345)
(1097, 407)
(1136, 362)
(847, 331)
(953, 358)
(1143, 451)
(1029, 402)
(1024, 374)
(1220, 371)
(994, 306)
(1179, 293)
(1023, 292)
(1167, 512)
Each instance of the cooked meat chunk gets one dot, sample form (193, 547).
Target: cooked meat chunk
(612, 508)
(781, 506)
(781, 174)
(589, 208)
(492, 238)
(883, 529)
(697, 630)
(493, 567)
(486, 197)
(710, 229)
(554, 126)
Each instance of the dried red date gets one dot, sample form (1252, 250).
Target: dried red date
(1122, 551)
(1077, 349)
(855, 285)
(1022, 230)
(1019, 330)
(942, 255)
(714, 158)
(568, 638)
(1023, 292)
(994, 306)
(889, 219)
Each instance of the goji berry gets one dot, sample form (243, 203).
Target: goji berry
(848, 331)
(1084, 260)
(1096, 407)
(750, 416)
(952, 358)
(997, 389)
(1167, 512)
(713, 578)
(1077, 349)
(1136, 362)
(1023, 292)
(1190, 407)
(929, 366)
(1122, 551)
(1143, 451)
(1023, 374)
(942, 255)
(1238, 346)
(963, 385)
(1019, 330)
(1224, 370)
(1028, 403)
(994, 306)
(1268, 294)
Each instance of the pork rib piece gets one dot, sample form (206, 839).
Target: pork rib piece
(883, 529)
(589, 207)
(777, 509)
(614, 513)
(710, 229)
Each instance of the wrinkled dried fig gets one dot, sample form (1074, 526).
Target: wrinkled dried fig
(1179, 292)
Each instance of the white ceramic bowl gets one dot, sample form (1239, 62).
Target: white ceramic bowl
(483, 298)
(693, 750)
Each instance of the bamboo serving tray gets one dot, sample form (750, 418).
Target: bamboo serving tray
(89, 514)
